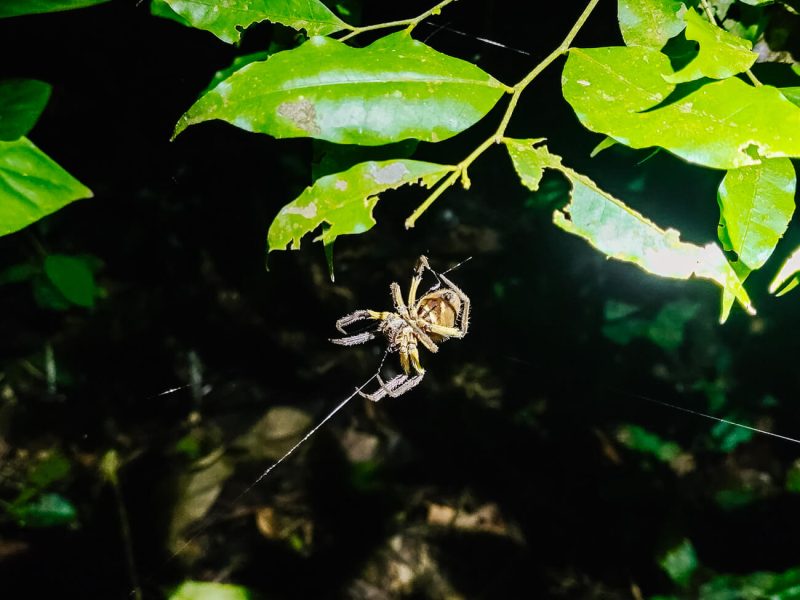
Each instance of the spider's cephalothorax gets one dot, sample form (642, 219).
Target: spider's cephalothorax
(439, 314)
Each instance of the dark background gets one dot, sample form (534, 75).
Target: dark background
(522, 416)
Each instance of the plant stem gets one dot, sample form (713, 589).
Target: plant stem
(497, 136)
(409, 23)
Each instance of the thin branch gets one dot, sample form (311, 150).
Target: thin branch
(497, 136)
(409, 23)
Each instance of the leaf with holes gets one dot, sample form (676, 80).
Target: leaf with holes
(228, 19)
(721, 54)
(395, 89)
(725, 124)
(32, 185)
(650, 22)
(21, 103)
(526, 164)
(345, 200)
(756, 204)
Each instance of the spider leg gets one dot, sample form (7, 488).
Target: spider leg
(359, 315)
(464, 320)
(397, 386)
(353, 340)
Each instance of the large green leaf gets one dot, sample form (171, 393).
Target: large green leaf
(228, 19)
(345, 200)
(756, 205)
(650, 22)
(394, 89)
(13, 8)
(32, 185)
(721, 54)
(620, 232)
(21, 103)
(725, 124)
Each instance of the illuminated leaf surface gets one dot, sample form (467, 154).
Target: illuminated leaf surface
(790, 267)
(32, 185)
(527, 164)
(649, 22)
(345, 200)
(13, 8)
(725, 124)
(229, 18)
(395, 89)
(21, 103)
(622, 233)
(206, 590)
(756, 205)
(721, 54)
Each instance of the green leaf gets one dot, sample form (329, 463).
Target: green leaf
(204, 590)
(650, 22)
(665, 330)
(725, 124)
(792, 94)
(17, 273)
(160, 8)
(345, 200)
(756, 205)
(13, 8)
(48, 510)
(680, 563)
(643, 441)
(790, 266)
(238, 63)
(527, 165)
(21, 103)
(72, 277)
(32, 185)
(227, 20)
(721, 54)
(394, 89)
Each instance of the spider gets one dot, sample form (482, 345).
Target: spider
(441, 313)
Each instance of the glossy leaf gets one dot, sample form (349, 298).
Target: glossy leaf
(345, 200)
(207, 590)
(32, 185)
(756, 205)
(396, 88)
(21, 103)
(650, 22)
(160, 8)
(786, 278)
(527, 164)
(13, 8)
(721, 54)
(228, 19)
(792, 94)
(72, 277)
(725, 124)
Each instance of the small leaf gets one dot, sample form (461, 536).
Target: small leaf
(789, 268)
(725, 124)
(528, 167)
(345, 200)
(238, 63)
(396, 88)
(13, 8)
(72, 277)
(32, 185)
(756, 205)
(227, 20)
(650, 22)
(204, 590)
(21, 103)
(721, 54)
(680, 563)
(48, 510)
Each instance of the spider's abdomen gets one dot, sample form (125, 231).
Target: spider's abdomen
(439, 308)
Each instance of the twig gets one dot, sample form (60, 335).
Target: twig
(497, 137)
(409, 23)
